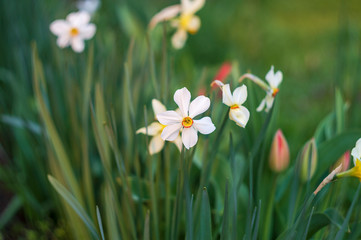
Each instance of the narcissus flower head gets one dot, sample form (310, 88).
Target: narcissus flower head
(274, 80)
(279, 157)
(185, 22)
(155, 129)
(73, 31)
(175, 122)
(237, 113)
(356, 170)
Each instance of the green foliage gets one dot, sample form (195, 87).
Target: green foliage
(70, 151)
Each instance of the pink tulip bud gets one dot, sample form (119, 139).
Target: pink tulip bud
(279, 157)
(344, 160)
(308, 160)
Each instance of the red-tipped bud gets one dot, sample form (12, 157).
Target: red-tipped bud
(308, 160)
(344, 160)
(223, 72)
(279, 157)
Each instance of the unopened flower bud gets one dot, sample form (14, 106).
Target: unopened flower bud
(279, 157)
(344, 160)
(308, 160)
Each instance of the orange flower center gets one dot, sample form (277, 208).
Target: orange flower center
(275, 91)
(74, 32)
(187, 122)
(234, 106)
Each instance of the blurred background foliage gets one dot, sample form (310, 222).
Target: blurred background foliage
(316, 45)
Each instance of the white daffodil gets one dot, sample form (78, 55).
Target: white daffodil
(237, 113)
(73, 31)
(274, 80)
(186, 22)
(155, 129)
(175, 122)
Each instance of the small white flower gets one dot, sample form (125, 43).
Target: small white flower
(155, 129)
(186, 22)
(73, 31)
(175, 122)
(274, 80)
(356, 152)
(89, 6)
(237, 113)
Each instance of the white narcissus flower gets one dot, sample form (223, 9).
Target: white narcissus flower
(186, 22)
(73, 31)
(155, 129)
(175, 122)
(237, 113)
(274, 80)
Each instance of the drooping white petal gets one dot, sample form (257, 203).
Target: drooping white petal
(269, 102)
(189, 137)
(156, 144)
(194, 24)
(63, 41)
(182, 98)
(199, 106)
(261, 105)
(164, 15)
(171, 132)
(169, 117)
(179, 38)
(77, 44)
(178, 143)
(191, 6)
(60, 27)
(158, 107)
(227, 97)
(240, 115)
(240, 95)
(87, 31)
(78, 18)
(153, 129)
(204, 125)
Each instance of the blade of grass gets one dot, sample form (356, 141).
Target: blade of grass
(99, 218)
(75, 205)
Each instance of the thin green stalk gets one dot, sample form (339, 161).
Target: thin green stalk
(269, 211)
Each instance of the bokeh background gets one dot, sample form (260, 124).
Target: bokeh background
(316, 44)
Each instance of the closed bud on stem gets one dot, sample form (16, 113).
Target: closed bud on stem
(279, 157)
(308, 160)
(344, 160)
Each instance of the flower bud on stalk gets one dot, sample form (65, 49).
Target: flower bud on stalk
(279, 157)
(308, 160)
(344, 160)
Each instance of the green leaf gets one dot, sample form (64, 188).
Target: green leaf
(321, 220)
(205, 218)
(99, 217)
(10, 210)
(75, 205)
